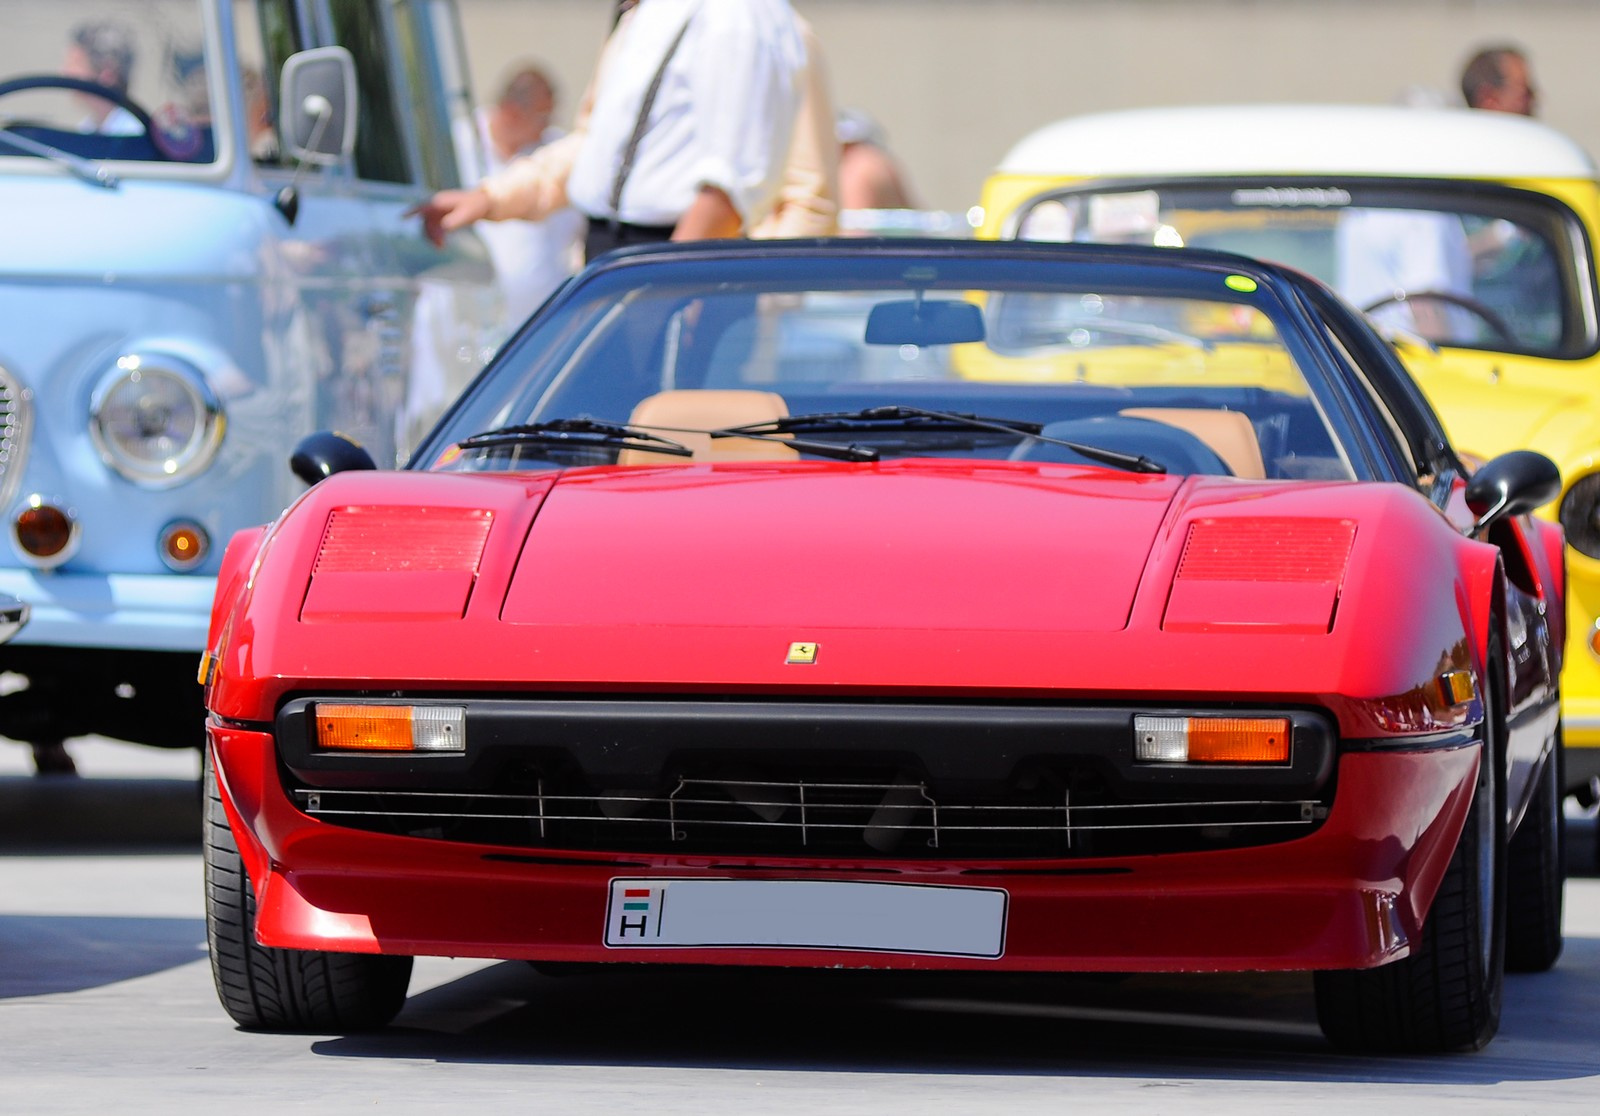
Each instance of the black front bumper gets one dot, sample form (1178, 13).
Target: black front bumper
(857, 778)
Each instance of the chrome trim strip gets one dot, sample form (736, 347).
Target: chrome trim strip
(16, 433)
(13, 616)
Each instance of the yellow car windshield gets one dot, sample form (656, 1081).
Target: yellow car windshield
(1128, 340)
(1488, 268)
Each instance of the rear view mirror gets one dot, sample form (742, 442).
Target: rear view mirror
(921, 322)
(317, 111)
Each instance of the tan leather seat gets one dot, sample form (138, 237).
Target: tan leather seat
(1230, 434)
(680, 414)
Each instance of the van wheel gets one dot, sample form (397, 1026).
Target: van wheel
(1445, 995)
(1536, 874)
(268, 989)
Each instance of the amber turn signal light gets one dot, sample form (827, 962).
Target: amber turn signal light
(45, 532)
(358, 727)
(1211, 739)
(1456, 687)
(184, 545)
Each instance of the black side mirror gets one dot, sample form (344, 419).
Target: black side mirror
(320, 455)
(1512, 484)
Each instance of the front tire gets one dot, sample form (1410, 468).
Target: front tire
(1536, 874)
(1445, 996)
(268, 989)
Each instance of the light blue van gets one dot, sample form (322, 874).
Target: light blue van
(195, 270)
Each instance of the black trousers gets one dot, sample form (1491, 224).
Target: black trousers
(604, 235)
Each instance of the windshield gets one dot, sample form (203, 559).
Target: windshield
(107, 79)
(1196, 370)
(1482, 268)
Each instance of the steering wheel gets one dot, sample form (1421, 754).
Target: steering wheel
(83, 85)
(1487, 314)
(1145, 331)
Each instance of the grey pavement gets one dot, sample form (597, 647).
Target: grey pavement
(106, 1005)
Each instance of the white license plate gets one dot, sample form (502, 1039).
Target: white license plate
(806, 914)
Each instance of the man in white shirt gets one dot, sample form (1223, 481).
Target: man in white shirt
(531, 258)
(1395, 254)
(714, 145)
(707, 158)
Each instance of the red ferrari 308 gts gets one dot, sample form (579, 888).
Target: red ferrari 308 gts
(909, 605)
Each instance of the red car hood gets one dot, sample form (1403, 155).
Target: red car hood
(939, 546)
(912, 577)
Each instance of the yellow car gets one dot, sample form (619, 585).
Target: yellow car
(1467, 236)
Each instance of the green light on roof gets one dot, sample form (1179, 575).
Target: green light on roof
(1241, 283)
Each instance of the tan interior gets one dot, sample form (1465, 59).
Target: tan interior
(681, 415)
(1230, 434)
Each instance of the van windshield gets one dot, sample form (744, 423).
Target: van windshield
(1469, 267)
(107, 79)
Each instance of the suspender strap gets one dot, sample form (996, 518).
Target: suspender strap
(639, 125)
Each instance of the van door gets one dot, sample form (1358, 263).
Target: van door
(435, 316)
(329, 310)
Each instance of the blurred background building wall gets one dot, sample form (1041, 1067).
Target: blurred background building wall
(955, 83)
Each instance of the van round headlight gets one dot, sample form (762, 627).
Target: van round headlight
(155, 419)
(1580, 515)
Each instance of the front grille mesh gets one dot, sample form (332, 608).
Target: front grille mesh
(15, 430)
(805, 818)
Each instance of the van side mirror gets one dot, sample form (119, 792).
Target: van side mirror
(320, 455)
(317, 109)
(1514, 483)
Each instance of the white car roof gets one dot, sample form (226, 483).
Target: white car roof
(1390, 141)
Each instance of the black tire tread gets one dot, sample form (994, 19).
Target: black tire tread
(269, 989)
(1427, 1002)
(1536, 875)
(1435, 1000)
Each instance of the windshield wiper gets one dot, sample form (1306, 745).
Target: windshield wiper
(95, 174)
(847, 452)
(896, 417)
(576, 433)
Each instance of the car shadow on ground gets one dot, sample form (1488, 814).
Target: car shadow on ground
(1229, 1027)
(1222, 1027)
(62, 816)
(1245, 1027)
(42, 955)
(99, 817)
